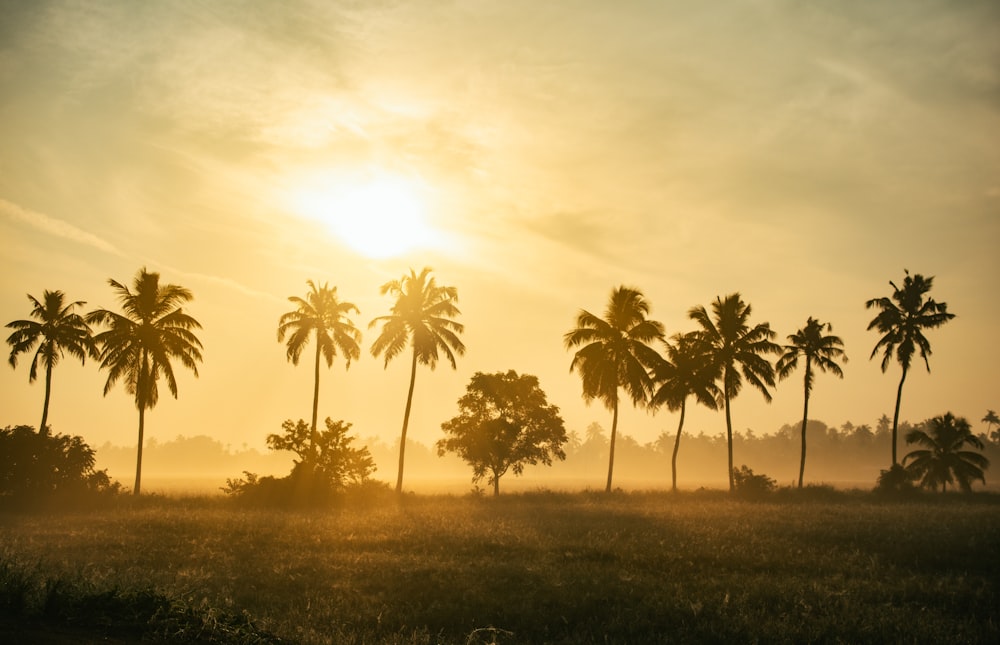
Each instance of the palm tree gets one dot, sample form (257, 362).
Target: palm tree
(686, 370)
(615, 354)
(421, 318)
(56, 330)
(322, 314)
(137, 347)
(943, 461)
(901, 320)
(820, 351)
(736, 348)
(991, 419)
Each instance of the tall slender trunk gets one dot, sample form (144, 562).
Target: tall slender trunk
(895, 416)
(614, 434)
(406, 422)
(805, 417)
(140, 396)
(729, 440)
(43, 429)
(677, 445)
(496, 485)
(312, 432)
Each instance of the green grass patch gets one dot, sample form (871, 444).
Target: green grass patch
(531, 568)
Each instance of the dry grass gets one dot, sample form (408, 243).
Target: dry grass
(549, 567)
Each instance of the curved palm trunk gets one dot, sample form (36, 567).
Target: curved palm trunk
(614, 434)
(805, 417)
(677, 445)
(895, 416)
(729, 440)
(406, 422)
(312, 432)
(43, 429)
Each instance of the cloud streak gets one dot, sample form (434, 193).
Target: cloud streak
(56, 227)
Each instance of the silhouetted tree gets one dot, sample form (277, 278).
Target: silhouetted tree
(137, 347)
(505, 423)
(991, 419)
(421, 318)
(321, 314)
(736, 348)
(901, 320)
(942, 460)
(819, 350)
(686, 370)
(615, 354)
(56, 330)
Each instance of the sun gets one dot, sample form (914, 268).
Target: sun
(380, 216)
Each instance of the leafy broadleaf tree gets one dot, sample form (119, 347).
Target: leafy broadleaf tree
(138, 345)
(323, 315)
(615, 353)
(421, 319)
(942, 460)
(738, 350)
(505, 423)
(902, 319)
(687, 370)
(56, 330)
(820, 351)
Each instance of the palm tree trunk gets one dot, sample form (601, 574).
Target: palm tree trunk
(805, 417)
(140, 396)
(677, 446)
(406, 422)
(312, 432)
(729, 439)
(138, 454)
(614, 434)
(43, 429)
(895, 416)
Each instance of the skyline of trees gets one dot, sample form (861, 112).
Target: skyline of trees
(727, 346)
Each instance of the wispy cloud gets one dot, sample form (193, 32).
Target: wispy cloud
(227, 283)
(56, 227)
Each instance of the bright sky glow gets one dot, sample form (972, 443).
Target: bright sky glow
(380, 217)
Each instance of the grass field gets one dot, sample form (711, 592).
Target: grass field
(527, 568)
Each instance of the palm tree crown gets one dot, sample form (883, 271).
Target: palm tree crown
(820, 351)
(615, 353)
(901, 320)
(942, 460)
(686, 370)
(138, 345)
(422, 319)
(321, 314)
(56, 330)
(738, 350)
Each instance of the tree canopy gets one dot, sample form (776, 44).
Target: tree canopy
(504, 424)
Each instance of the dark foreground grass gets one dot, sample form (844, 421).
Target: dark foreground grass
(533, 568)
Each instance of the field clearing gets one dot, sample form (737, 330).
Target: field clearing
(550, 567)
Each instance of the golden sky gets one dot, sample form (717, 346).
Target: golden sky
(536, 155)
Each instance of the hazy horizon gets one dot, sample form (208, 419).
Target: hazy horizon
(535, 157)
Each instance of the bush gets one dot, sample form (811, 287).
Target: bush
(750, 484)
(895, 481)
(36, 467)
(327, 466)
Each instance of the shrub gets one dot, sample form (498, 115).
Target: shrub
(327, 465)
(35, 467)
(895, 481)
(750, 484)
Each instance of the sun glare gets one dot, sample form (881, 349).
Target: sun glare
(380, 216)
